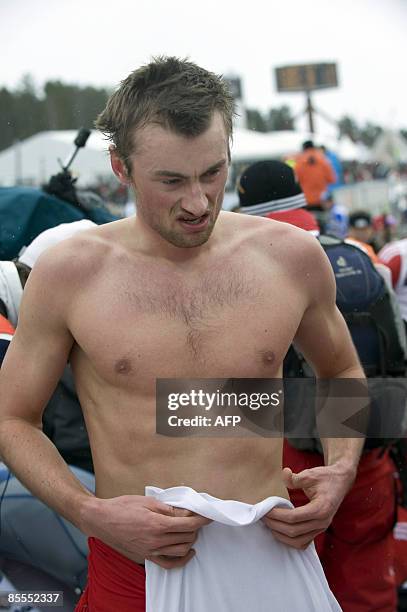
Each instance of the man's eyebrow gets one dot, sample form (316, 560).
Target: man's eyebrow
(169, 173)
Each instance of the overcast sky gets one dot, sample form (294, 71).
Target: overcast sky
(98, 42)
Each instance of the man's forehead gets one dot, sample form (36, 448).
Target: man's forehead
(157, 148)
(155, 132)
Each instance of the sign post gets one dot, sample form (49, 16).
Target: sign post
(306, 78)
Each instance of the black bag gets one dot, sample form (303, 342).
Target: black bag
(377, 331)
(64, 424)
(365, 302)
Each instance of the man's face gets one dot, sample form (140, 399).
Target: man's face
(179, 181)
(364, 234)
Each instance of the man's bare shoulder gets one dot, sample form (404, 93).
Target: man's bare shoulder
(264, 232)
(82, 255)
(296, 252)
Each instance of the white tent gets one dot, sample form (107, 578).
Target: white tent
(390, 148)
(34, 160)
(347, 150)
(249, 145)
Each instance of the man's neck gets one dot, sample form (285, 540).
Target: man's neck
(153, 244)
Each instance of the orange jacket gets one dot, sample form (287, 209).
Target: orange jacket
(364, 247)
(6, 333)
(314, 174)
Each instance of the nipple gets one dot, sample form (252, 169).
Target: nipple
(123, 366)
(268, 357)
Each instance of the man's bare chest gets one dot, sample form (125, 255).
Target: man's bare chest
(215, 325)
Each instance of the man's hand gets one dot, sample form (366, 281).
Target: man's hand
(325, 487)
(142, 527)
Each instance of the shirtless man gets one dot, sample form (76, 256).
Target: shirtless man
(181, 290)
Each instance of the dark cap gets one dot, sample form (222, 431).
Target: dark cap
(360, 219)
(272, 184)
(308, 144)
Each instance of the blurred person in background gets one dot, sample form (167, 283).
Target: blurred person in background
(385, 226)
(336, 164)
(272, 192)
(315, 174)
(394, 255)
(361, 232)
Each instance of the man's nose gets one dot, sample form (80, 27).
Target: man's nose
(195, 201)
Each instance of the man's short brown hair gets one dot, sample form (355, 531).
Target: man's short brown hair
(174, 93)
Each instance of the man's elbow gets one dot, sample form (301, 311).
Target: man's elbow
(11, 421)
(337, 368)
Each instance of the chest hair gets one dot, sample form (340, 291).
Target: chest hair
(202, 305)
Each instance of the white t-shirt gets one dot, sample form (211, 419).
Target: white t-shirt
(239, 566)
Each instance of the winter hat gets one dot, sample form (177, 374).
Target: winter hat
(308, 144)
(269, 186)
(360, 219)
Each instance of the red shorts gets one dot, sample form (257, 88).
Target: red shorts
(114, 582)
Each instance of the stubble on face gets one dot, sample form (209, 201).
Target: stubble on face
(160, 209)
(182, 239)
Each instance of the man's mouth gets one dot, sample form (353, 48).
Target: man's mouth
(194, 220)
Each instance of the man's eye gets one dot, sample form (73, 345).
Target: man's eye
(174, 181)
(212, 172)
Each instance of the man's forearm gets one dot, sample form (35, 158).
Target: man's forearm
(341, 456)
(35, 461)
(343, 451)
(350, 388)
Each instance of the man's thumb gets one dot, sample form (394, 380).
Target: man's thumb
(288, 478)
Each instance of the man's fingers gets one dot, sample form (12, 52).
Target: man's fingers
(182, 512)
(288, 478)
(168, 510)
(176, 550)
(310, 511)
(189, 523)
(168, 563)
(293, 530)
(301, 480)
(299, 542)
(172, 539)
(156, 506)
(181, 519)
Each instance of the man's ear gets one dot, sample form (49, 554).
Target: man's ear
(118, 166)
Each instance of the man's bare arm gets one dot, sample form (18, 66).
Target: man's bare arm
(31, 369)
(324, 340)
(135, 525)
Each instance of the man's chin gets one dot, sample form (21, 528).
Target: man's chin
(189, 241)
(186, 240)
